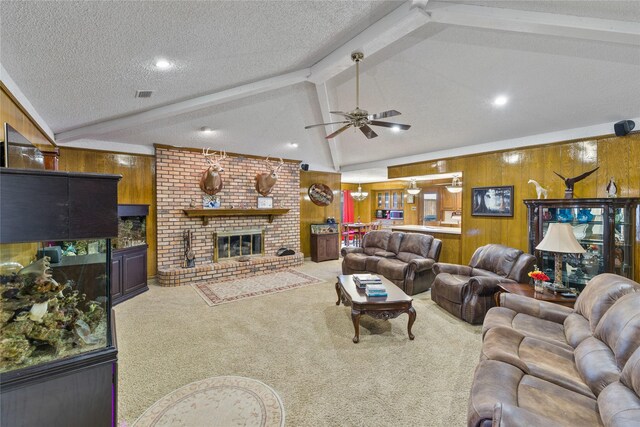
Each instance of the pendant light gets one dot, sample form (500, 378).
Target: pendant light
(413, 188)
(456, 185)
(359, 195)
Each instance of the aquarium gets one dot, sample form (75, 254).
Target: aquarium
(54, 301)
(132, 226)
(324, 228)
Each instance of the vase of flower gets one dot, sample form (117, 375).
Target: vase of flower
(538, 279)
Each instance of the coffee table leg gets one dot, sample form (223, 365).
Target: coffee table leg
(355, 316)
(412, 318)
(338, 292)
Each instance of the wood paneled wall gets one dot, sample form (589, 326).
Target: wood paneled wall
(137, 185)
(311, 213)
(12, 113)
(617, 157)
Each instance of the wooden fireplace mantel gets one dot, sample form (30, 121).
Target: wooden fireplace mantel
(206, 213)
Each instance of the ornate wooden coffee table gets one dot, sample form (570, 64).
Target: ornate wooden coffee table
(389, 307)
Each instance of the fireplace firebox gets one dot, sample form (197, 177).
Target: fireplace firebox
(237, 243)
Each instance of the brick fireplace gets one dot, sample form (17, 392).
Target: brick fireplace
(178, 173)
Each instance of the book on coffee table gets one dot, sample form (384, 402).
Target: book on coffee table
(376, 290)
(362, 280)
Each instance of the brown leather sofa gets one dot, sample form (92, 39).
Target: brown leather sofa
(407, 259)
(467, 291)
(543, 364)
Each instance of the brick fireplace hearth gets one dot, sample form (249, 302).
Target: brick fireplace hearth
(178, 173)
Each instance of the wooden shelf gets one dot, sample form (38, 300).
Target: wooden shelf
(205, 214)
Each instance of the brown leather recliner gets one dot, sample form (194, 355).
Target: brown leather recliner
(467, 291)
(407, 259)
(592, 377)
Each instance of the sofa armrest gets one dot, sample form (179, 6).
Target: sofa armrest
(351, 250)
(443, 267)
(486, 285)
(419, 264)
(533, 307)
(505, 415)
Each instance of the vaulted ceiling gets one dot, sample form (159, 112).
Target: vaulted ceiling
(257, 72)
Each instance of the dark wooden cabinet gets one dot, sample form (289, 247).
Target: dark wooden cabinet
(128, 273)
(604, 227)
(325, 247)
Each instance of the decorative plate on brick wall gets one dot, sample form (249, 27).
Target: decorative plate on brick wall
(320, 194)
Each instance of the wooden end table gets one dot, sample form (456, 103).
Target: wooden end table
(389, 307)
(527, 290)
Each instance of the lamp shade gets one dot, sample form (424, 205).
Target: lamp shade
(560, 239)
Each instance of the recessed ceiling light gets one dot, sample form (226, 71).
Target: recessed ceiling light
(163, 64)
(293, 144)
(206, 129)
(500, 101)
(396, 128)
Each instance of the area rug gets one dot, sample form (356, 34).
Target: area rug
(215, 293)
(217, 401)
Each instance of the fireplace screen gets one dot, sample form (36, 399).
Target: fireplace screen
(233, 244)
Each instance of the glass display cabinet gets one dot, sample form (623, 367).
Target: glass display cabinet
(58, 357)
(325, 242)
(605, 228)
(129, 256)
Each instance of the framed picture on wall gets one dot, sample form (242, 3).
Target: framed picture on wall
(265, 202)
(411, 198)
(492, 201)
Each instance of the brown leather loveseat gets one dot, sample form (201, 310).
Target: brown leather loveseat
(467, 291)
(407, 259)
(547, 365)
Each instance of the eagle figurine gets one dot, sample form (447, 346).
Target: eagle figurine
(570, 182)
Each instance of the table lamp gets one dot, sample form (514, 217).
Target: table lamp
(560, 239)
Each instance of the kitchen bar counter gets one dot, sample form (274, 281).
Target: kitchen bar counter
(450, 236)
(426, 229)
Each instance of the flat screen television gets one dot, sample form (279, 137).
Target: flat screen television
(18, 152)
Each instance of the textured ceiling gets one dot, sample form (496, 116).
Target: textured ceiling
(80, 63)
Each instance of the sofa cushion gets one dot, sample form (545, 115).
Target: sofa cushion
(356, 262)
(394, 241)
(392, 268)
(531, 325)
(536, 357)
(371, 264)
(600, 294)
(619, 402)
(450, 286)
(375, 241)
(576, 329)
(414, 245)
(597, 364)
(385, 254)
(499, 382)
(496, 258)
(619, 328)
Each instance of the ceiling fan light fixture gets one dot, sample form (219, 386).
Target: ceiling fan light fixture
(359, 195)
(456, 185)
(413, 188)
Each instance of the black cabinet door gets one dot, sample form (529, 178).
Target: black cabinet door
(116, 277)
(134, 271)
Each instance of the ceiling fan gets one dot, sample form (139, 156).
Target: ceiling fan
(361, 119)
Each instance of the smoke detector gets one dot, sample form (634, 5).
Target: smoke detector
(144, 93)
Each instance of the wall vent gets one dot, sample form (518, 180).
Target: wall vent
(144, 93)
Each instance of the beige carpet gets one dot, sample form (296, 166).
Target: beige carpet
(299, 342)
(217, 402)
(215, 293)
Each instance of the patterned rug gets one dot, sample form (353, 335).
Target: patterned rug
(233, 290)
(217, 401)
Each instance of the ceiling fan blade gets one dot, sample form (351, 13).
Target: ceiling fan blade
(389, 125)
(389, 113)
(339, 131)
(368, 132)
(340, 113)
(324, 124)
